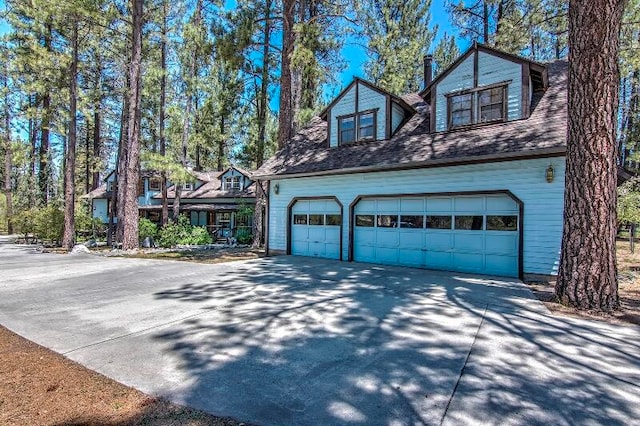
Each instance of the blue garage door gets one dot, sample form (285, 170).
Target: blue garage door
(476, 233)
(315, 228)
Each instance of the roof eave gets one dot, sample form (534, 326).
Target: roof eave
(447, 162)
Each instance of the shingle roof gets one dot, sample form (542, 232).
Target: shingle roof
(212, 188)
(544, 132)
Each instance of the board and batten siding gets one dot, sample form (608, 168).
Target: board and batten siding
(493, 69)
(543, 201)
(397, 115)
(367, 99)
(460, 78)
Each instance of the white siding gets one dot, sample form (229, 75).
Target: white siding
(397, 115)
(543, 202)
(459, 79)
(492, 69)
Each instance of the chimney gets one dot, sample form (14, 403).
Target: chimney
(428, 69)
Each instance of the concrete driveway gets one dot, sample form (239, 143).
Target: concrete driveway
(302, 341)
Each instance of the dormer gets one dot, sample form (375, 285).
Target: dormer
(483, 86)
(234, 179)
(363, 112)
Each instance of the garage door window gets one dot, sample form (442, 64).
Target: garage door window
(299, 219)
(387, 221)
(365, 220)
(316, 219)
(473, 223)
(439, 222)
(502, 223)
(334, 220)
(411, 221)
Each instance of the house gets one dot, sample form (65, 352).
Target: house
(212, 199)
(466, 175)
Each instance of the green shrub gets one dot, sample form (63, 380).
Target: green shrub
(199, 235)
(49, 224)
(25, 222)
(146, 228)
(244, 236)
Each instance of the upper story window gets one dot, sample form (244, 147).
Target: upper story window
(155, 184)
(477, 106)
(357, 127)
(232, 183)
(187, 186)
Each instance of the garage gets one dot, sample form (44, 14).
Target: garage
(476, 233)
(315, 228)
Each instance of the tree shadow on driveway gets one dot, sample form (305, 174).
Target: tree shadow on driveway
(306, 341)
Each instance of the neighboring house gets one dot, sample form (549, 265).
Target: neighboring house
(211, 200)
(466, 175)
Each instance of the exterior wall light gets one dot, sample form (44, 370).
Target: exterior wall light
(276, 188)
(549, 174)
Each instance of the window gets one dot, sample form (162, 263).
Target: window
(502, 223)
(477, 106)
(232, 183)
(473, 223)
(140, 187)
(365, 220)
(387, 221)
(439, 222)
(187, 186)
(299, 219)
(491, 104)
(155, 184)
(334, 220)
(346, 130)
(316, 219)
(357, 127)
(112, 185)
(366, 124)
(411, 221)
(460, 109)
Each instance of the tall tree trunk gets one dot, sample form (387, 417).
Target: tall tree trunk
(123, 156)
(87, 157)
(285, 119)
(95, 179)
(485, 22)
(33, 137)
(69, 234)
(263, 103)
(220, 153)
(115, 235)
(7, 152)
(587, 273)
(44, 171)
(130, 201)
(163, 101)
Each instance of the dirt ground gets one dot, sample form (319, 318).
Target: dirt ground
(203, 256)
(628, 291)
(41, 387)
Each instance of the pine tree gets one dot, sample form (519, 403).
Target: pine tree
(397, 34)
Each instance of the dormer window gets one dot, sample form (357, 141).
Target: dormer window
(188, 186)
(357, 127)
(482, 105)
(155, 184)
(232, 183)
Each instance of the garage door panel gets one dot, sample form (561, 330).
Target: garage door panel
(502, 243)
(317, 233)
(468, 262)
(317, 249)
(387, 238)
(439, 240)
(469, 204)
(500, 265)
(365, 236)
(412, 205)
(332, 251)
(411, 257)
(387, 255)
(413, 239)
(388, 204)
(299, 247)
(501, 203)
(471, 241)
(438, 260)
(439, 204)
(364, 253)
